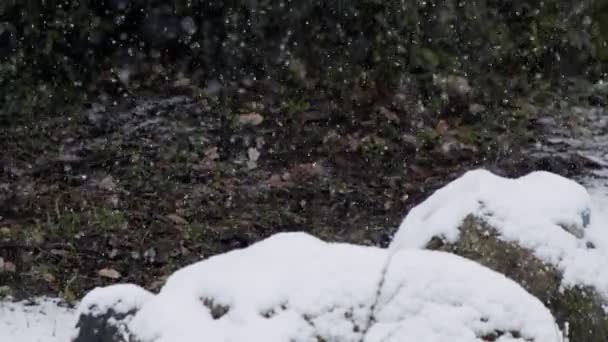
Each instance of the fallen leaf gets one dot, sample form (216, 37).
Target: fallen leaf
(458, 86)
(388, 205)
(68, 158)
(476, 108)
(9, 267)
(150, 255)
(48, 277)
(176, 219)
(59, 252)
(253, 154)
(259, 142)
(389, 115)
(307, 170)
(109, 273)
(107, 183)
(352, 142)
(442, 127)
(250, 119)
(211, 153)
(278, 181)
(113, 253)
(182, 82)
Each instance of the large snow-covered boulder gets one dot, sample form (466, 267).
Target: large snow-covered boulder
(294, 287)
(534, 229)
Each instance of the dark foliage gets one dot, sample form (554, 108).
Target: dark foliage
(54, 52)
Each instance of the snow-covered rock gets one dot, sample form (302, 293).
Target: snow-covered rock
(294, 287)
(103, 314)
(534, 229)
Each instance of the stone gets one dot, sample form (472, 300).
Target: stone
(104, 313)
(536, 230)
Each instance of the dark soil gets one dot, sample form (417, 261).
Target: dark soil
(143, 186)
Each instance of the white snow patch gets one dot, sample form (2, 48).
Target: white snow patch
(38, 320)
(530, 211)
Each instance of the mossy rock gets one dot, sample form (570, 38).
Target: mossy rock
(578, 310)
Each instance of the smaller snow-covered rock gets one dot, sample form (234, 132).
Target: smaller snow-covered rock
(534, 229)
(103, 313)
(294, 287)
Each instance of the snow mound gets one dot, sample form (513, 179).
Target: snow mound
(437, 296)
(546, 213)
(294, 287)
(121, 298)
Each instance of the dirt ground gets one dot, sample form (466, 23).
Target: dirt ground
(130, 191)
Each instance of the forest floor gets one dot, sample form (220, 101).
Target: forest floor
(130, 190)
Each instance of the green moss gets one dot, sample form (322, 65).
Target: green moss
(426, 139)
(586, 318)
(296, 105)
(68, 224)
(470, 135)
